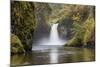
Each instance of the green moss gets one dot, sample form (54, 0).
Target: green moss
(23, 22)
(83, 26)
(89, 26)
(16, 45)
(83, 33)
(74, 42)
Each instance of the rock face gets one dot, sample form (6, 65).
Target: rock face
(64, 28)
(77, 25)
(83, 27)
(23, 23)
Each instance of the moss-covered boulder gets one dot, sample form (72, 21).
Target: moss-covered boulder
(16, 45)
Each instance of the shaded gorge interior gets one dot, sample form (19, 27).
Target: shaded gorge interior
(47, 33)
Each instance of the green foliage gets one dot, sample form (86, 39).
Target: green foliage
(83, 25)
(82, 32)
(23, 22)
(80, 13)
(89, 27)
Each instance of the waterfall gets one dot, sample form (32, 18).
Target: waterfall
(54, 36)
(53, 40)
(54, 33)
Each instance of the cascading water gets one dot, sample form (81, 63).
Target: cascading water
(54, 36)
(53, 40)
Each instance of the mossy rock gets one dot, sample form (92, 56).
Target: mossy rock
(84, 34)
(74, 42)
(16, 45)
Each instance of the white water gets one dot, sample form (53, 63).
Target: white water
(54, 36)
(54, 39)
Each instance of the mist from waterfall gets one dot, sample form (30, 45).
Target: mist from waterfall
(53, 40)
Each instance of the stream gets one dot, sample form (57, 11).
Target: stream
(51, 51)
(54, 55)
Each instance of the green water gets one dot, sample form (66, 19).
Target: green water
(54, 55)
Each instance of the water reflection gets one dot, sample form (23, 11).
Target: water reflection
(54, 55)
(21, 59)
